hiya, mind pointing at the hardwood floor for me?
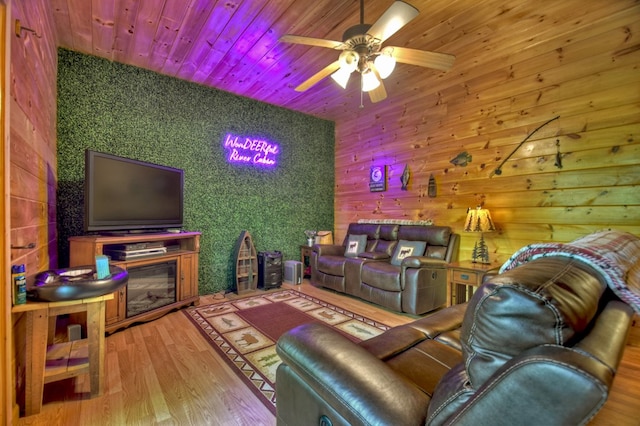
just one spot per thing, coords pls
(164, 373)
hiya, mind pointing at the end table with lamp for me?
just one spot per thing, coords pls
(305, 253)
(464, 278)
(313, 237)
(305, 258)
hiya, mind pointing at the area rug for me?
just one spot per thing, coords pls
(244, 332)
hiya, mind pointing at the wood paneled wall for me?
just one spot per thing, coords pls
(33, 137)
(578, 174)
(32, 153)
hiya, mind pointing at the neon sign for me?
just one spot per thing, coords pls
(256, 152)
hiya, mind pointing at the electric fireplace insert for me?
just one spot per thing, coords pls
(150, 287)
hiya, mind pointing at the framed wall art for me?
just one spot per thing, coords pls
(378, 179)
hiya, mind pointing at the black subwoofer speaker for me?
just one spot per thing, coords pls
(269, 269)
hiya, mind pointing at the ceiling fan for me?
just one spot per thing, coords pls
(362, 51)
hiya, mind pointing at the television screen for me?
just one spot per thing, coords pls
(124, 194)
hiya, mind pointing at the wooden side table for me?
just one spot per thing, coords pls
(48, 362)
(464, 278)
(305, 258)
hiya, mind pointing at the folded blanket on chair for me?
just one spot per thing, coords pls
(614, 254)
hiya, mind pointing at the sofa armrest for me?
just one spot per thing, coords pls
(400, 338)
(423, 262)
(358, 386)
(444, 320)
(570, 385)
(374, 255)
(328, 250)
(424, 284)
(490, 274)
(613, 327)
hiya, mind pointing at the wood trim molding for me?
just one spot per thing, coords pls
(7, 393)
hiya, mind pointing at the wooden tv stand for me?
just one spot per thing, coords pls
(185, 251)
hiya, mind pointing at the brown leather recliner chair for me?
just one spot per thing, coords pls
(539, 344)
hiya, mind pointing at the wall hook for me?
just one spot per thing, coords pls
(558, 162)
(19, 29)
(28, 246)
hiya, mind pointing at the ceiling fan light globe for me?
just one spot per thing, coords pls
(385, 63)
(369, 81)
(341, 77)
(349, 60)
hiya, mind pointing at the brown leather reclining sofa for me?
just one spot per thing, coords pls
(536, 345)
(400, 267)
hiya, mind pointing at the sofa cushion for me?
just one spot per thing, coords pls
(372, 231)
(407, 248)
(374, 255)
(611, 253)
(389, 232)
(425, 363)
(436, 252)
(433, 235)
(356, 244)
(381, 275)
(549, 301)
(386, 247)
(546, 301)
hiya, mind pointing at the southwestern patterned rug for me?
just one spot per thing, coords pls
(244, 332)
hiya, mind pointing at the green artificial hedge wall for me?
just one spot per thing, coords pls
(135, 113)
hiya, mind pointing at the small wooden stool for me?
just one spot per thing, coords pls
(46, 363)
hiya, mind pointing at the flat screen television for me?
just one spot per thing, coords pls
(125, 195)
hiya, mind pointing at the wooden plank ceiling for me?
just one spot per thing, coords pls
(233, 45)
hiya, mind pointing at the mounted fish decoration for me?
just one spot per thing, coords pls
(432, 187)
(461, 159)
(405, 177)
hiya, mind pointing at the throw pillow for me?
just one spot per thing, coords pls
(356, 244)
(407, 248)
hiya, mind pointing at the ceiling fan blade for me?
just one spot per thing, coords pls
(395, 17)
(310, 41)
(379, 93)
(423, 58)
(323, 73)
